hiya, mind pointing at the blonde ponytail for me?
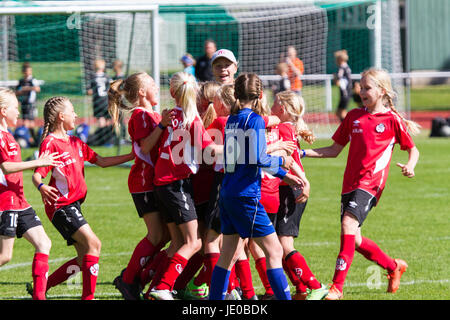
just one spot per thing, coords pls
(183, 88)
(207, 92)
(121, 91)
(295, 107)
(115, 102)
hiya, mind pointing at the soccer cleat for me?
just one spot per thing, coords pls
(394, 276)
(29, 286)
(334, 294)
(194, 292)
(267, 296)
(317, 294)
(128, 291)
(233, 295)
(160, 295)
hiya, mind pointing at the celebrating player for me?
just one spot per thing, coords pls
(179, 157)
(67, 190)
(241, 214)
(17, 217)
(145, 128)
(290, 107)
(372, 132)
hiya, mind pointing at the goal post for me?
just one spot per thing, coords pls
(62, 39)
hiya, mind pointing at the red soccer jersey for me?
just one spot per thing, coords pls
(287, 133)
(216, 127)
(11, 185)
(68, 178)
(270, 185)
(141, 124)
(180, 152)
(372, 138)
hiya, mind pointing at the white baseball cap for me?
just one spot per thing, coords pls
(224, 53)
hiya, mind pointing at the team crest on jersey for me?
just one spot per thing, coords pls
(341, 265)
(80, 152)
(380, 128)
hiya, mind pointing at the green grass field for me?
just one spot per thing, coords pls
(411, 222)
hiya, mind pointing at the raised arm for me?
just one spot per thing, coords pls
(105, 162)
(327, 152)
(46, 159)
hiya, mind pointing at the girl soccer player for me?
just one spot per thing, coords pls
(179, 156)
(145, 127)
(17, 217)
(67, 190)
(372, 132)
(290, 107)
(241, 214)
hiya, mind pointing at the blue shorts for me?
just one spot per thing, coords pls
(244, 216)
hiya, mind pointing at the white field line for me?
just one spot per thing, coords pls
(257, 287)
(26, 264)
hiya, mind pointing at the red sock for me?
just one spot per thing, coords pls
(155, 270)
(244, 273)
(143, 251)
(39, 270)
(209, 261)
(194, 263)
(149, 271)
(297, 263)
(372, 252)
(232, 282)
(295, 279)
(344, 260)
(68, 269)
(174, 269)
(261, 267)
(90, 274)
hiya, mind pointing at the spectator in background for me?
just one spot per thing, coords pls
(203, 70)
(118, 72)
(26, 91)
(284, 83)
(188, 63)
(343, 80)
(295, 71)
(99, 86)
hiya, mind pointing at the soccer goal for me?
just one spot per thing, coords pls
(62, 39)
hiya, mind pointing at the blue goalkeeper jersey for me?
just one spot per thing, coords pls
(245, 155)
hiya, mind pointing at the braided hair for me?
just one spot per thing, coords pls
(247, 88)
(52, 108)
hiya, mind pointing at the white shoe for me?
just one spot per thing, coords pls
(233, 295)
(161, 294)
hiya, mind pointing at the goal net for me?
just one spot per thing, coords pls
(62, 47)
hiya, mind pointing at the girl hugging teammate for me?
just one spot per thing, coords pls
(138, 94)
(180, 154)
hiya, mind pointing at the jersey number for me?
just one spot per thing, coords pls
(13, 220)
